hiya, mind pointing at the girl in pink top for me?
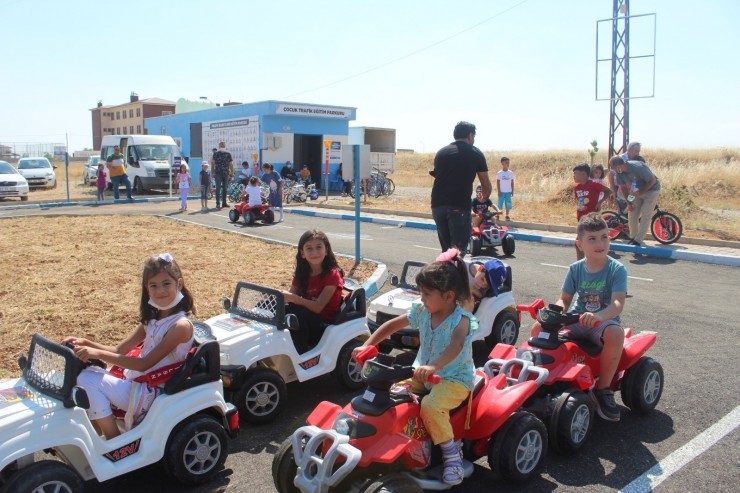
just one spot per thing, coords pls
(183, 182)
(101, 181)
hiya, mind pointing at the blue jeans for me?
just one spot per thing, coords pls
(453, 227)
(116, 182)
(222, 181)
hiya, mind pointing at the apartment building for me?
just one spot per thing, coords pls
(127, 118)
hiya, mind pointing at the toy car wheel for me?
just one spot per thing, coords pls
(269, 216)
(348, 372)
(284, 468)
(475, 246)
(505, 330)
(196, 450)
(233, 215)
(517, 450)
(508, 245)
(248, 218)
(393, 483)
(262, 396)
(643, 385)
(45, 475)
(571, 421)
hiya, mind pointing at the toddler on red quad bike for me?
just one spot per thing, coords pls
(252, 206)
(489, 234)
(378, 442)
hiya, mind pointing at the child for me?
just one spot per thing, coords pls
(244, 173)
(273, 180)
(205, 186)
(588, 193)
(183, 183)
(315, 294)
(101, 181)
(166, 334)
(253, 191)
(505, 186)
(445, 333)
(479, 206)
(486, 279)
(305, 175)
(596, 287)
(597, 173)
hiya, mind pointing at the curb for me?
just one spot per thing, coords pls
(658, 252)
(371, 285)
(91, 203)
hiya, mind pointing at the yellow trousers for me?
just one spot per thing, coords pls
(436, 407)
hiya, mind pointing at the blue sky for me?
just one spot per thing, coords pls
(522, 70)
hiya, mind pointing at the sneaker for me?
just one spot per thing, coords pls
(606, 406)
(508, 218)
(635, 243)
(453, 474)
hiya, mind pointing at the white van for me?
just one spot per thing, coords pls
(149, 159)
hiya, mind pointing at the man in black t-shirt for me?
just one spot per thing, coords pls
(455, 169)
(223, 170)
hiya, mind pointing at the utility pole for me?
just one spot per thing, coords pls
(619, 113)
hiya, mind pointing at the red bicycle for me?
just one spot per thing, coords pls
(665, 227)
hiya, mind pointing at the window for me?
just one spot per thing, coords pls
(131, 129)
(166, 113)
(130, 113)
(118, 115)
(138, 129)
(118, 130)
(138, 112)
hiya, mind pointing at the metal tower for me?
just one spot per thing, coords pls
(619, 121)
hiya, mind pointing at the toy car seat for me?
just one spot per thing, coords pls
(353, 306)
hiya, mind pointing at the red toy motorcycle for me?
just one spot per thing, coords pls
(251, 214)
(562, 402)
(378, 442)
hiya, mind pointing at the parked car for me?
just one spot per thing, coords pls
(12, 183)
(89, 176)
(38, 171)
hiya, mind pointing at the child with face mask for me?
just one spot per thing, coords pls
(166, 335)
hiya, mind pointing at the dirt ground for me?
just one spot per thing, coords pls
(82, 275)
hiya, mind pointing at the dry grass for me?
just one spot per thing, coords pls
(82, 275)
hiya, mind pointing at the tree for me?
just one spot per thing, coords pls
(593, 150)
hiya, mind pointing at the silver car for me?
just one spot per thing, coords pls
(38, 171)
(89, 176)
(12, 183)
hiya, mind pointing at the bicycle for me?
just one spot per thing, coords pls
(378, 184)
(665, 227)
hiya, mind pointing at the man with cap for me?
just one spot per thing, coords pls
(455, 168)
(644, 189)
(116, 163)
(223, 170)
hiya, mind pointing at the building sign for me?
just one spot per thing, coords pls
(240, 134)
(60, 151)
(308, 110)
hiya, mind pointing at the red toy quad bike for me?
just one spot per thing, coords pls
(251, 214)
(378, 442)
(562, 402)
(489, 235)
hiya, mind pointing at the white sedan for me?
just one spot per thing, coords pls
(89, 176)
(38, 171)
(12, 183)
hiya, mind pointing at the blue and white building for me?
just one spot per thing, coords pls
(267, 132)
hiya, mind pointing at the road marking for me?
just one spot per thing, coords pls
(679, 458)
(630, 277)
(346, 236)
(426, 248)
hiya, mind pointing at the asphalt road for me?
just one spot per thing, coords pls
(692, 306)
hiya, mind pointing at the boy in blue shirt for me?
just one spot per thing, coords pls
(596, 287)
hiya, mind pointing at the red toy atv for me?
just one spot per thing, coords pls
(251, 214)
(378, 442)
(562, 402)
(489, 234)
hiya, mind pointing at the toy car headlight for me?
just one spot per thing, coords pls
(526, 356)
(350, 426)
(343, 425)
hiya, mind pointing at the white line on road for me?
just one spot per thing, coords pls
(679, 458)
(565, 267)
(426, 248)
(349, 236)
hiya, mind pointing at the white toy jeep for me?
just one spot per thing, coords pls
(187, 427)
(498, 319)
(258, 356)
